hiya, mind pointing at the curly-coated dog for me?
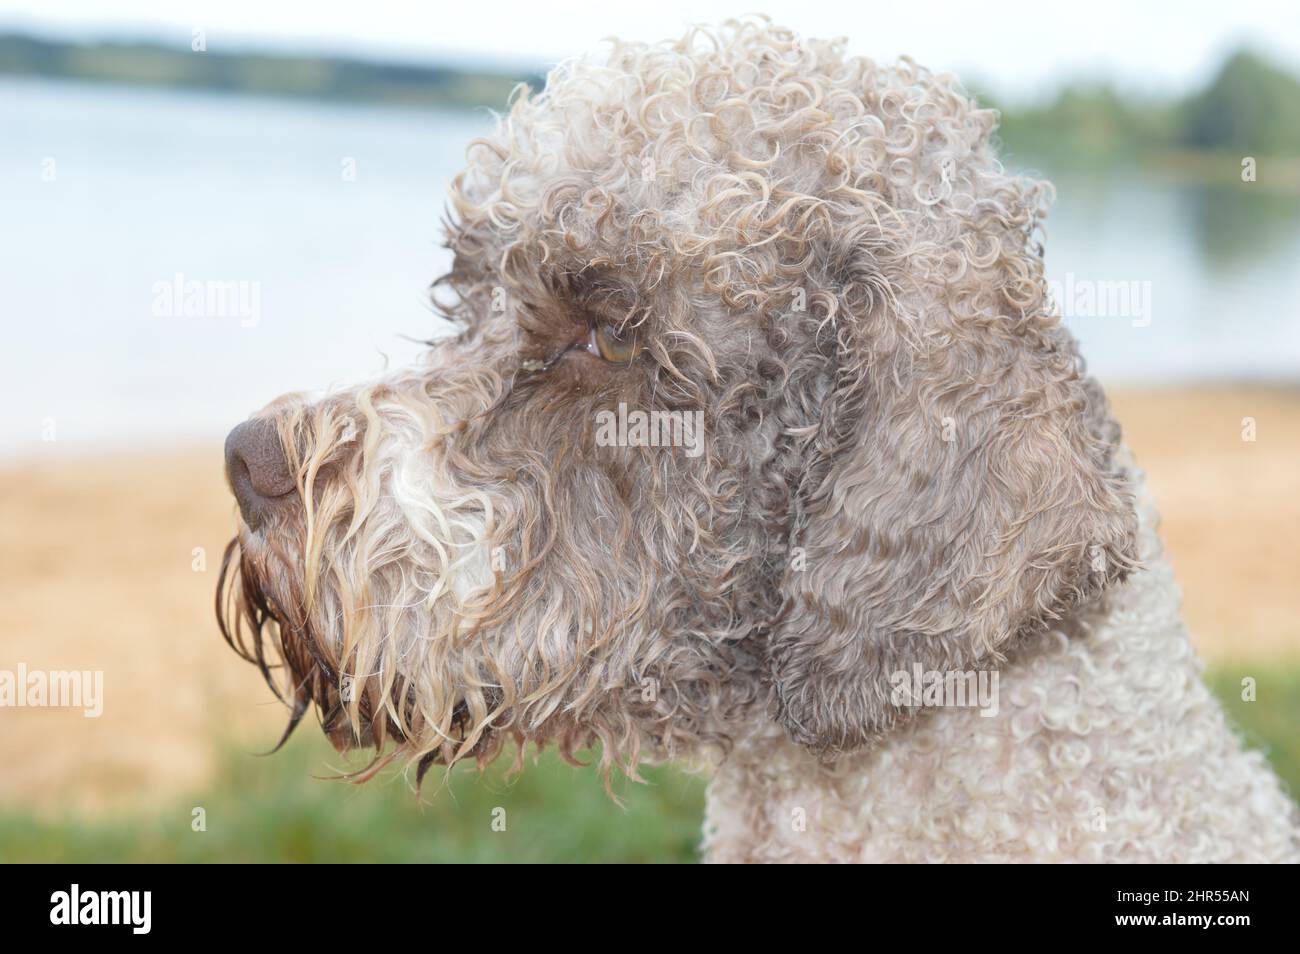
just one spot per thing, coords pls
(760, 443)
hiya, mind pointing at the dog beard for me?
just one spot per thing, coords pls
(284, 649)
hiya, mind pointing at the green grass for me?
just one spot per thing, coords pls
(287, 808)
(280, 809)
(1271, 723)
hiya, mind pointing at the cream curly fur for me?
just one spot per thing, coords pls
(904, 464)
(1108, 747)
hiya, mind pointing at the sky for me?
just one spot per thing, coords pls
(1023, 49)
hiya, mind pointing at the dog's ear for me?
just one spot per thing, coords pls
(960, 491)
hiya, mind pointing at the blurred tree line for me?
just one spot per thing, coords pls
(320, 77)
(1251, 107)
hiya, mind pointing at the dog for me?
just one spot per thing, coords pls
(901, 482)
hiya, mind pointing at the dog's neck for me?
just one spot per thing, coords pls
(1091, 719)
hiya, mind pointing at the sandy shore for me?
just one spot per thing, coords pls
(98, 571)
(110, 564)
(1230, 510)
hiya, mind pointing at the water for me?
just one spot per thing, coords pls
(1216, 269)
(150, 185)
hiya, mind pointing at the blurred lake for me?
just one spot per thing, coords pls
(108, 193)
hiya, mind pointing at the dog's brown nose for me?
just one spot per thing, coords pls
(257, 470)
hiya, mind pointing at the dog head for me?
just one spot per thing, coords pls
(756, 398)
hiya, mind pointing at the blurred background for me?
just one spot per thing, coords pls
(297, 156)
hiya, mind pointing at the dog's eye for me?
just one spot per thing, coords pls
(614, 344)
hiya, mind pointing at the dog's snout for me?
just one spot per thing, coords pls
(257, 470)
